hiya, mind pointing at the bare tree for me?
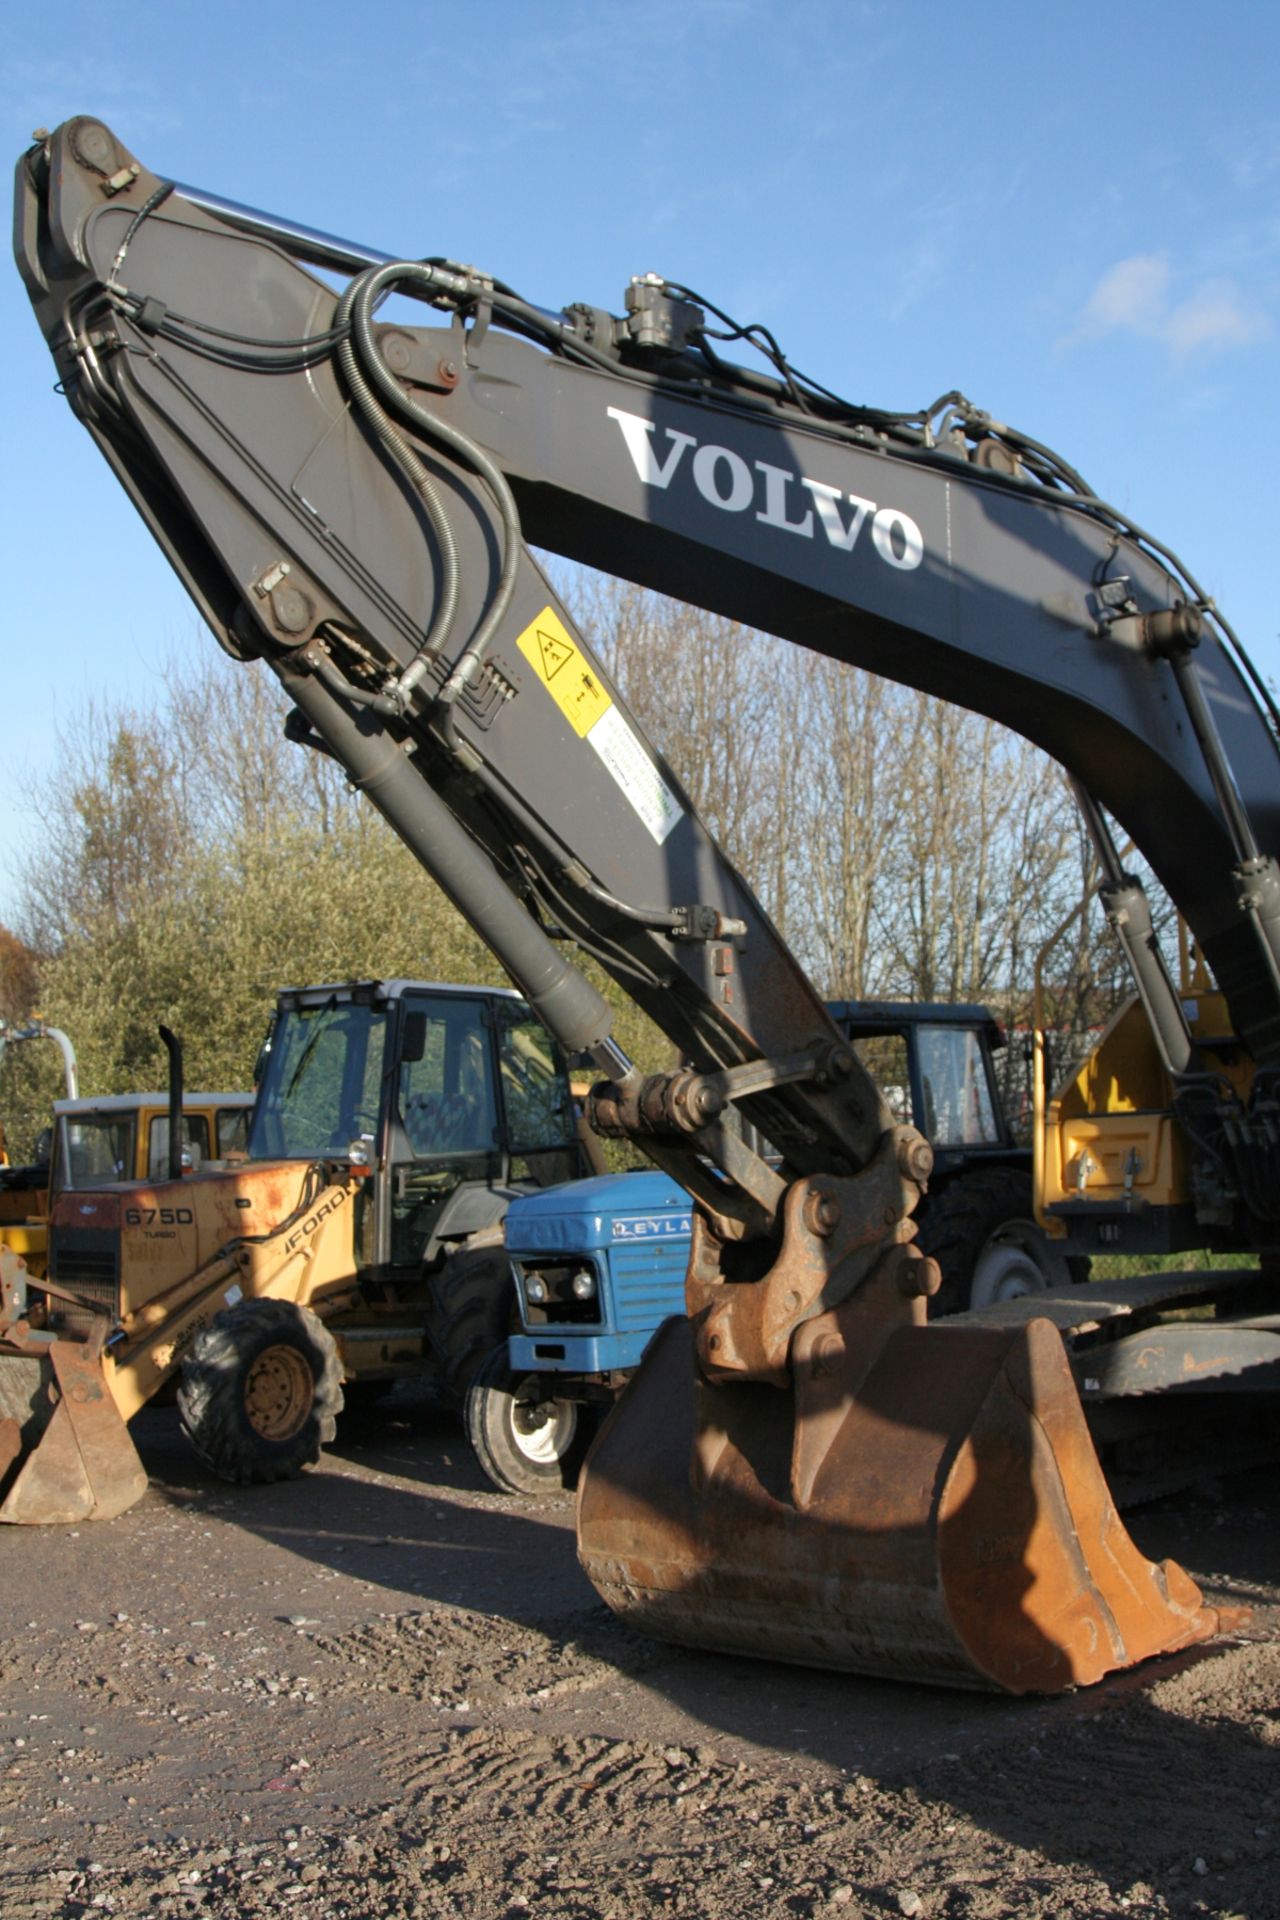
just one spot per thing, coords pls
(905, 847)
(114, 828)
(194, 860)
(243, 778)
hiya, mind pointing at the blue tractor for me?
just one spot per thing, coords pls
(598, 1264)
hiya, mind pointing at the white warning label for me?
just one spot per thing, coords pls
(635, 773)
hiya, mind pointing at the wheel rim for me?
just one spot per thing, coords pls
(278, 1392)
(1013, 1263)
(542, 1430)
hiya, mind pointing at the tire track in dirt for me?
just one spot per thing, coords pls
(457, 1660)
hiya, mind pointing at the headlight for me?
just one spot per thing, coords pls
(535, 1290)
(584, 1285)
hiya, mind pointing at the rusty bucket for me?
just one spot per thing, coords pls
(70, 1458)
(935, 1511)
(65, 1451)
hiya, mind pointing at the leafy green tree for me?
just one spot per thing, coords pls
(193, 860)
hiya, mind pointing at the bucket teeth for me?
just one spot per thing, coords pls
(937, 1515)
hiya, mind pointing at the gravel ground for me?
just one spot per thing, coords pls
(386, 1691)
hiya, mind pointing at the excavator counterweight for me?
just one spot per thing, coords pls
(805, 1468)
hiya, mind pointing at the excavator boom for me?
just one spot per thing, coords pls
(351, 499)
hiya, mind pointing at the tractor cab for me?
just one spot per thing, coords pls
(451, 1099)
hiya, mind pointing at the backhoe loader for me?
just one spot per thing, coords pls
(94, 1141)
(803, 1468)
(355, 1238)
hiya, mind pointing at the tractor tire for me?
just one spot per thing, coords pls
(261, 1391)
(524, 1442)
(981, 1229)
(470, 1310)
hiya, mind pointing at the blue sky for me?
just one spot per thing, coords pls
(1071, 213)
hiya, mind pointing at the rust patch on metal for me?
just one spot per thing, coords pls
(84, 1466)
(920, 1503)
(833, 1233)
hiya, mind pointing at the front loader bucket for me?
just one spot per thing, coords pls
(65, 1452)
(937, 1515)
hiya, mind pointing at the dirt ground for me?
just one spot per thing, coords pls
(388, 1691)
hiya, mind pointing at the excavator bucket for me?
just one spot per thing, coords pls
(65, 1452)
(935, 1513)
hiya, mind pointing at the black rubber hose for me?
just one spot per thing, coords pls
(364, 292)
(408, 460)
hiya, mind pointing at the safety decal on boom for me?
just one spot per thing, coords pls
(574, 685)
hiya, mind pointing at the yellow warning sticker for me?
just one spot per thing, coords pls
(568, 677)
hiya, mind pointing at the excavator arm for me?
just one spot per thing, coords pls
(350, 495)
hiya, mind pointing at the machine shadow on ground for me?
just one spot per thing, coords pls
(1084, 1778)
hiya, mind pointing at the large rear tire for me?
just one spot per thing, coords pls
(261, 1391)
(981, 1229)
(525, 1441)
(470, 1310)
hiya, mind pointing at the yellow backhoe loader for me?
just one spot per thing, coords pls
(349, 1236)
(113, 1137)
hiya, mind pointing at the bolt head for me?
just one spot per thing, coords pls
(821, 1212)
(915, 1159)
(919, 1277)
(291, 608)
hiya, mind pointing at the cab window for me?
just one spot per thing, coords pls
(195, 1142)
(958, 1108)
(446, 1091)
(884, 1055)
(99, 1151)
(322, 1081)
(535, 1088)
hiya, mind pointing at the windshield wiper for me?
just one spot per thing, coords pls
(322, 1021)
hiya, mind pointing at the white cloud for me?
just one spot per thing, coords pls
(1132, 294)
(1215, 315)
(1137, 295)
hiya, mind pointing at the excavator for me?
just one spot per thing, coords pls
(805, 1467)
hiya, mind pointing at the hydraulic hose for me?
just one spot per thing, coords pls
(408, 460)
(362, 295)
